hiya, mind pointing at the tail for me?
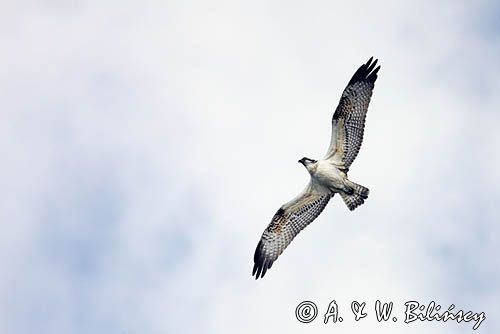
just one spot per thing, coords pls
(357, 197)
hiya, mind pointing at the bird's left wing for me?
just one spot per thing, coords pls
(288, 221)
(348, 122)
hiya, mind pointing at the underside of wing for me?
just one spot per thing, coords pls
(288, 221)
(348, 122)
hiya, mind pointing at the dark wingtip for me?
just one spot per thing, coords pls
(261, 263)
(372, 77)
(366, 72)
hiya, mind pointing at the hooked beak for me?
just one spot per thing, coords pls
(302, 160)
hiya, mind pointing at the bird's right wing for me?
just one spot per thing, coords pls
(288, 221)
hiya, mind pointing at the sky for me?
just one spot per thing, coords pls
(146, 146)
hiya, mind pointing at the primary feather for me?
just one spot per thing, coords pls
(348, 121)
(328, 176)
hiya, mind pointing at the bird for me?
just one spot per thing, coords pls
(328, 176)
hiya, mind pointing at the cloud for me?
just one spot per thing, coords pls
(147, 146)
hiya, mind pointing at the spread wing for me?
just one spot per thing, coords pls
(348, 122)
(288, 221)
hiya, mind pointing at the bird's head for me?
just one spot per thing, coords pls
(309, 164)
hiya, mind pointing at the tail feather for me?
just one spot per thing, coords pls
(357, 198)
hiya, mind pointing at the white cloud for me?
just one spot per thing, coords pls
(147, 147)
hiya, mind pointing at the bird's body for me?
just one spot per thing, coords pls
(327, 176)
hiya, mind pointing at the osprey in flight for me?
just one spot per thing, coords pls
(328, 176)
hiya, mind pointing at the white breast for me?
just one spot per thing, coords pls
(328, 175)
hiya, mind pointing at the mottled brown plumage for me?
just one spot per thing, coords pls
(328, 176)
(348, 121)
(288, 221)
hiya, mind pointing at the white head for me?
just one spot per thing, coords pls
(309, 164)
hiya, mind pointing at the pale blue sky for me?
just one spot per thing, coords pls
(147, 145)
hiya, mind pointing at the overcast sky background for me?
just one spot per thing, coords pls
(146, 145)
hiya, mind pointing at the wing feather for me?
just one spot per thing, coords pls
(288, 221)
(348, 122)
